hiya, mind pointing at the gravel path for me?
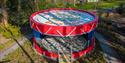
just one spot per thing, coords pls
(109, 54)
(14, 47)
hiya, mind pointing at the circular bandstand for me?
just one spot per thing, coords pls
(63, 32)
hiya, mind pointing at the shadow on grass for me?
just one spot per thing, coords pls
(5, 61)
(115, 42)
(20, 46)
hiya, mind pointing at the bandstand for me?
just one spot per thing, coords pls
(63, 34)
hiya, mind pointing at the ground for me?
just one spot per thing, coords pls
(5, 43)
(23, 57)
(113, 29)
(19, 56)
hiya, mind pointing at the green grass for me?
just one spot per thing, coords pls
(108, 4)
(85, 6)
(12, 29)
(7, 34)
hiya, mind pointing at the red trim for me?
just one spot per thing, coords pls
(55, 55)
(64, 30)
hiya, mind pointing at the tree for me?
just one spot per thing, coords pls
(36, 2)
(4, 13)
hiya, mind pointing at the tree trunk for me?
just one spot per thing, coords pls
(4, 14)
(36, 2)
(19, 6)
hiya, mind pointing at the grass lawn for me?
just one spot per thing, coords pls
(102, 5)
(84, 6)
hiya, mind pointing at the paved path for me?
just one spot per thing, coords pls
(109, 54)
(14, 47)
